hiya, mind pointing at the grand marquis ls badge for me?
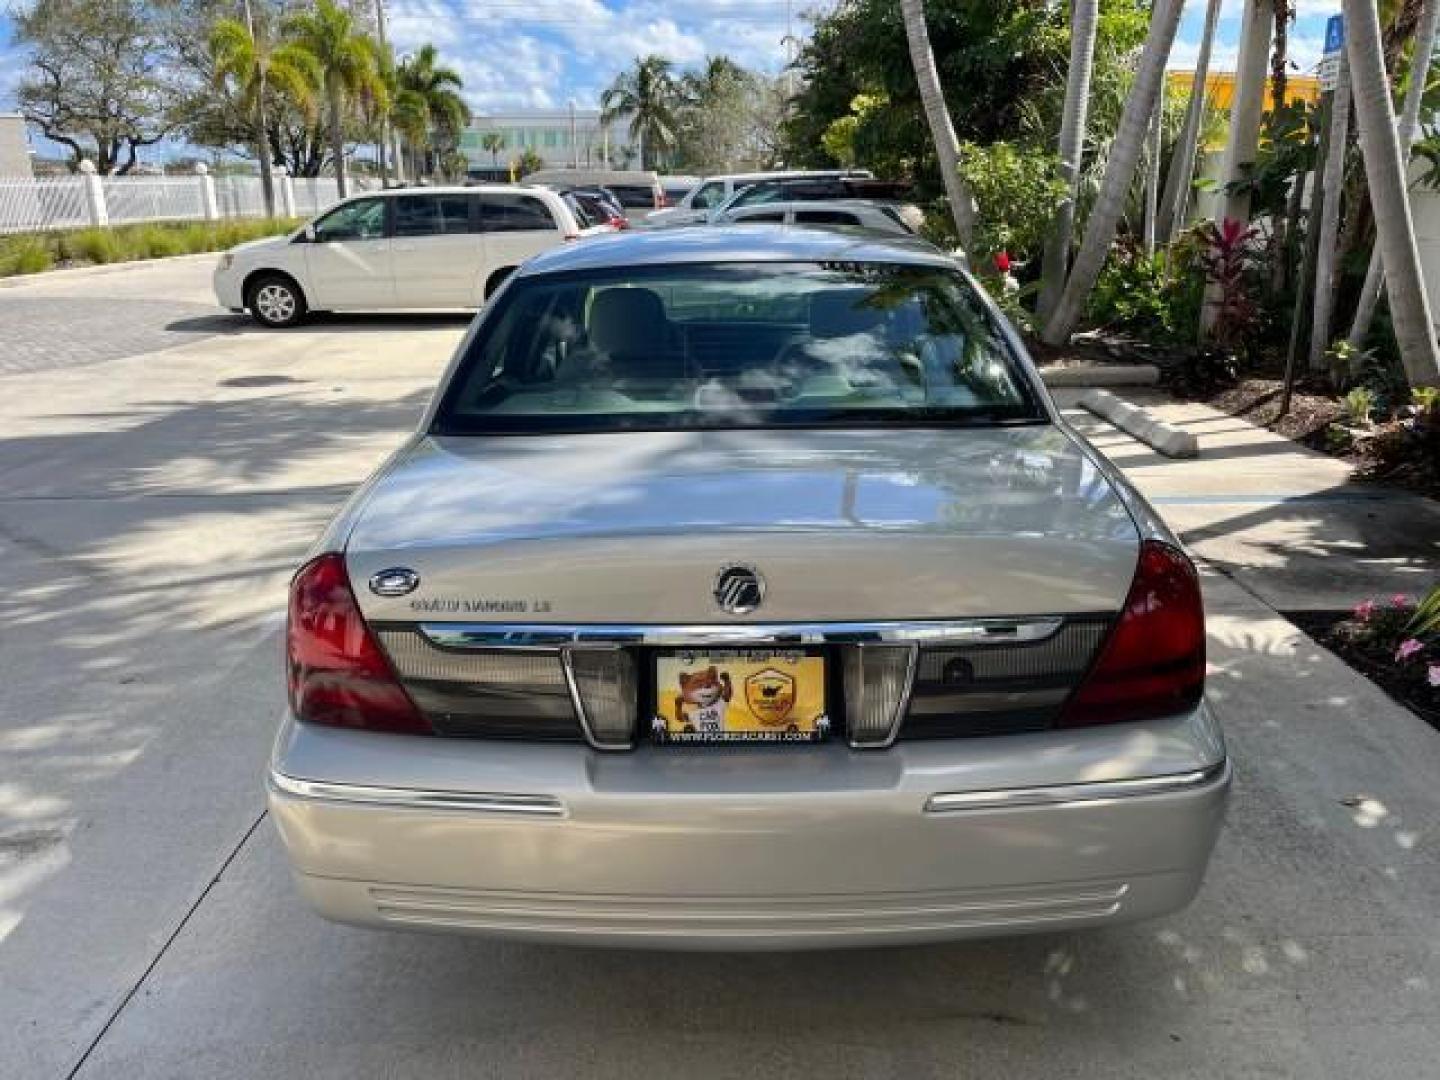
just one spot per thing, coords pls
(739, 589)
(396, 581)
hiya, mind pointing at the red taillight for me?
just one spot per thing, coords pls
(338, 675)
(1153, 663)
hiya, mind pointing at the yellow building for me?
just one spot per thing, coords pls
(1220, 87)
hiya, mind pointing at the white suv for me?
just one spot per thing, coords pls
(440, 247)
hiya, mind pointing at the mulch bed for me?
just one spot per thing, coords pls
(1405, 683)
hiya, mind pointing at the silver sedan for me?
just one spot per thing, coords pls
(742, 588)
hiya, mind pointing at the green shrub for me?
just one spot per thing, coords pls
(1153, 297)
(1359, 404)
(25, 255)
(96, 246)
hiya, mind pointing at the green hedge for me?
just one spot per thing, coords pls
(32, 253)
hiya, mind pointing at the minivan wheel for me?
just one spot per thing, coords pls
(276, 301)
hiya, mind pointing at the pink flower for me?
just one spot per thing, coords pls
(1399, 600)
(1408, 648)
(1433, 675)
(1364, 610)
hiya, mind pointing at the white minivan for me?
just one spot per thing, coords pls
(434, 248)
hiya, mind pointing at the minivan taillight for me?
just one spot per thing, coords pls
(1153, 662)
(337, 672)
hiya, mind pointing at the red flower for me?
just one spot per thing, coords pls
(1002, 262)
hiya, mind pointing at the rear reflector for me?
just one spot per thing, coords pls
(1153, 663)
(877, 684)
(337, 674)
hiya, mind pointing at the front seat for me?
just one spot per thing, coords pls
(629, 328)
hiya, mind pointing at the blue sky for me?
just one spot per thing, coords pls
(542, 53)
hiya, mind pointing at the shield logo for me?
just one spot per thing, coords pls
(770, 695)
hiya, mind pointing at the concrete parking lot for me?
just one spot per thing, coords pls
(163, 466)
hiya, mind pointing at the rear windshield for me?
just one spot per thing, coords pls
(632, 195)
(736, 345)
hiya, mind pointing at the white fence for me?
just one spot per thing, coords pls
(68, 202)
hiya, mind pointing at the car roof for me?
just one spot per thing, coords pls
(459, 189)
(810, 204)
(735, 243)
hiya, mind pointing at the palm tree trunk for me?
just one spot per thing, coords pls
(1182, 164)
(1409, 128)
(267, 172)
(1246, 111)
(1152, 171)
(1119, 172)
(1385, 172)
(380, 152)
(1331, 182)
(942, 130)
(337, 139)
(1084, 22)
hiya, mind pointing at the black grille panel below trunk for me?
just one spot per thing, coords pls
(994, 689)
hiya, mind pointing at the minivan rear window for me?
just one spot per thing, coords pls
(730, 345)
(633, 195)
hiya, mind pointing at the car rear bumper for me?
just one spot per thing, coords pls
(752, 848)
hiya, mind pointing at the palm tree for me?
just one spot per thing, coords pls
(348, 64)
(1119, 171)
(1331, 181)
(435, 91)
(494, 142)
(649, 96)
(1176, 199)
(1420, 57)
(937, 114)
(259, 66)
(1385, 172)
(1084, 22)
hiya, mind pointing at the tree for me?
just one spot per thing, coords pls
(1385, 171)
(347, 61)
(1084, 22)
(436, 113)
(97, 82)
(937, 115)
(1176, 198)
(527, 163)
(1420, 58)
(494, 142)
(1119, 171)
(1331, 182)
(258, 66)
(715, 117)
(648, 95)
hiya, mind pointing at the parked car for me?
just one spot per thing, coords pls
(639, 191)
(677, 187)
(434, 247)
(743, 588)
(599, 205)
(713, 191)
(879, 217)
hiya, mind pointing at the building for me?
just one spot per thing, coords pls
(548, 132)
(14, 147)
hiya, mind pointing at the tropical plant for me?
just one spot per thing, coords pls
(1084, 24)
(528, 162)
(1425, 623)
(1385, 171)
(348, 63)
(649, 97)
(937, 116)
(1359, 405)
(257, 65)
(1016, 192)
(1417, 78)
(493, 142)
(1125, 152)
(1227, 255)
(434, 113)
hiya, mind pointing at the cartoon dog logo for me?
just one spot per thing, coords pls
(704, 697)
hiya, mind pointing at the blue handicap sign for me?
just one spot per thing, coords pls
(1334, 33)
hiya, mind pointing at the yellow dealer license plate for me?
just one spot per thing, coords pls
(740, 696)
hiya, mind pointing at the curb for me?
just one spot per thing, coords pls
(17, 281)
(1082, 375)
(1170, 441)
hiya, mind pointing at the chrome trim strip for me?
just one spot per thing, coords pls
(1053, 795)
(550, 637)
(486, 802)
